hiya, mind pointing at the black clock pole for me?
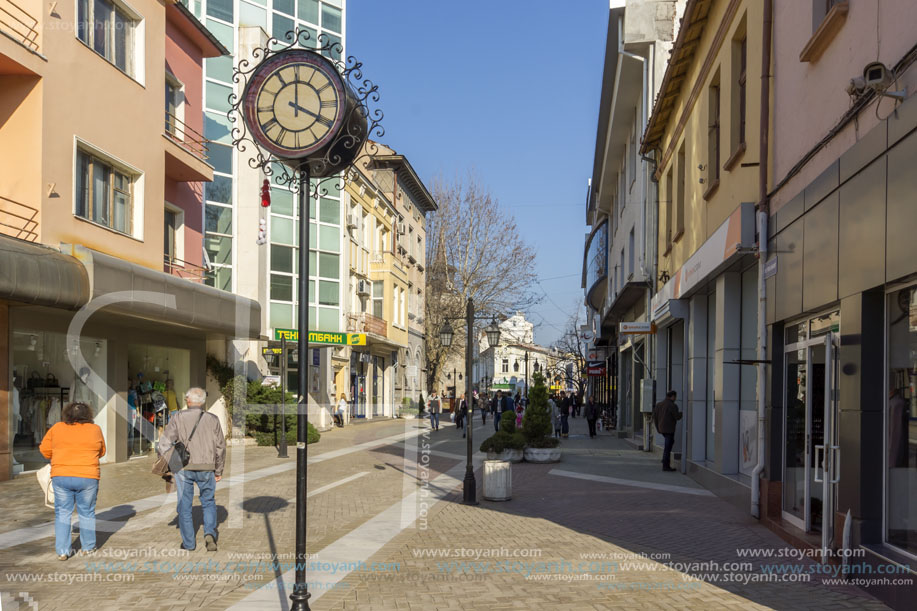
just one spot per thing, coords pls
(469, 486)
(300, 595)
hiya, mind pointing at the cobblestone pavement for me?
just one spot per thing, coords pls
(459, 557)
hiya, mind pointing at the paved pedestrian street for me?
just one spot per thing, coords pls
(603, 529)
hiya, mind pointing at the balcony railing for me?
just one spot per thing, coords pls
(184, 269)
(186, 137)
(19, 23)
(18, 220)
(364, 322)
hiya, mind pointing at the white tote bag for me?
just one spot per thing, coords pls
(44, 480)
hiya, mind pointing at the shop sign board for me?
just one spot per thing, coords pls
(595, 368)
(770, 268)
(323, 337)
(637, 328)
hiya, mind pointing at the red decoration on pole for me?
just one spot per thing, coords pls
(265, 194)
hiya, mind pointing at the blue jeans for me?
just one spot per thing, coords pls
(667, 449)
(206, 485)
(81, 491)
(434, 420)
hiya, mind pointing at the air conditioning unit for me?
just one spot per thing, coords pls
(401, 229)
(352, 220)
(362, 287)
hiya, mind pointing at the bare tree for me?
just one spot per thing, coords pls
(473, 251)
(571, 350)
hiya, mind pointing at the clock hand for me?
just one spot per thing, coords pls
(295, 100)
(298, 107)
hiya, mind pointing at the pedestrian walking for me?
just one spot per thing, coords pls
(497, 409)
(436, 407)
(565, 406)
(462, 416)
(591, 412)
(575, 404)
(342, 408)
(205, 443)
(555, 416)
(484, 407)
(665, 417)
(74, 445)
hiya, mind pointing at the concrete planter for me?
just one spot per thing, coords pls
(498, 480)
(542, 455)
(507, 455)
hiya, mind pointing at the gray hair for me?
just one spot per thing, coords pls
(195, 396)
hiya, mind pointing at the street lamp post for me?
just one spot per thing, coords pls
(526, 376)
(469, 485)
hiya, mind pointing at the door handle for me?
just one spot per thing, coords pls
(835, 464)
(818, 449)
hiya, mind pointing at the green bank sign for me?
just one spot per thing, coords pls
(323, 337)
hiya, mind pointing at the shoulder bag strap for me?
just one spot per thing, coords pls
(195, 426)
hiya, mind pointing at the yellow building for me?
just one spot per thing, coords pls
(704, 136)
(377, 297)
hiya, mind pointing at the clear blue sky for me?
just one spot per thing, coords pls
(508, 88)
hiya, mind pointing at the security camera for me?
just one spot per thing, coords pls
(879, 78)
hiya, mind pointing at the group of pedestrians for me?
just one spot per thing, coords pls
(193, 439)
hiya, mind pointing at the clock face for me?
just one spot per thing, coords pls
(294, 104)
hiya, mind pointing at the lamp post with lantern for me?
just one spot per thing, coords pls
(469, 485)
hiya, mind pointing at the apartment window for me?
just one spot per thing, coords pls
(713, 134)
(633, 151)
(505, 365)
(107, 29)
(669, 200)
(630, 254)
(174, 104)
(103, 193)
(680, 194)
(378, 296)
(739, 93)
(173, 238)
(820, 10)
(621, 190)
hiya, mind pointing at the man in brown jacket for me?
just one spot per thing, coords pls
(665, 417)
(203, 437)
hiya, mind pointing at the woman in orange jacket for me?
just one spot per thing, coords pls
(74, 446)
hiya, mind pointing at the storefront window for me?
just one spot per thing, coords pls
(43, 382)
(901, 420)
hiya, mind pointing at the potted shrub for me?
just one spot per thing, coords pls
(507, 443)
(540, 447)
(407, 411)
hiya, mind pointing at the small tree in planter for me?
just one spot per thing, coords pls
(537, 426)
(507, 443)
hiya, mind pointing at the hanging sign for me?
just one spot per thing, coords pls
(323, 337)
(595, 368)
(637, 328)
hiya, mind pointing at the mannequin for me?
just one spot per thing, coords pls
(79, 391)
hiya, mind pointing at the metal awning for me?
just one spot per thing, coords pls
(39, 275)
(165, 299)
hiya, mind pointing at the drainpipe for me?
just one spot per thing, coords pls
(762, 252)
(649, 356)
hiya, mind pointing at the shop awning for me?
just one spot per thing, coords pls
(727, 244)
(196, 306)
(38, 275)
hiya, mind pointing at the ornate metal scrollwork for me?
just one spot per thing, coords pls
(333, 162)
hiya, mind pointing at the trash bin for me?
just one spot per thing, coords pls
(498, 480)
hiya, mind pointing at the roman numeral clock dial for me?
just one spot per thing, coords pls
(297, 101)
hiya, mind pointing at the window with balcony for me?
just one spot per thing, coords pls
(175, 107)
(378, 296)
(104, 193)
(173, 240)
(109, 29)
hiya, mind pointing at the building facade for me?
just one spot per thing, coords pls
(621, 249)
(841, 303)
(102, 292)
(509, 365)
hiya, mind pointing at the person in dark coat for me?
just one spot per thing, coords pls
(461, 416)
(495, 408)
(565, 405)
(592, 414)
(665, 417)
